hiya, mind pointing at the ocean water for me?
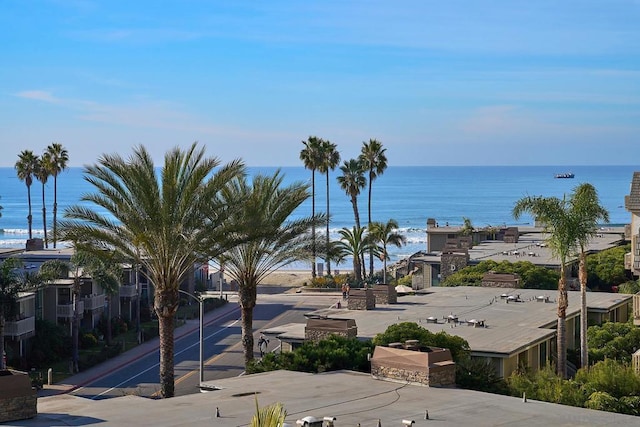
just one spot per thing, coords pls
(410, 195)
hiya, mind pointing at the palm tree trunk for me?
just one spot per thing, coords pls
(313, 228)
(247, 297)
(328, 257)
(357, 271)
(55, 208)
(44, 219)
(354, 204)
(562, 325)
(384, 264)
(165, 306)
(369, 208)
(582, 273)
(166, 326)
(30, 217)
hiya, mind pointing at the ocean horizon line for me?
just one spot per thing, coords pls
(416, 166)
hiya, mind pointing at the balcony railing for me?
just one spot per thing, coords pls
(21, 327)
(66, 310)
(94, 302)
(128, 291)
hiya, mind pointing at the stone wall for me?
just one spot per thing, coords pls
(452, 262)
(411, 376)
(508, 280)
(397, 362)
(385, 294)
(361, 299)
(511, 235)
(18, 400)
(319, 329)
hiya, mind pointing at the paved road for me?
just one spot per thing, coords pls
(137, 373)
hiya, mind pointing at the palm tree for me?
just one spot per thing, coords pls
(467, 228)
(330, 160)
(385, 235)
(26, 168)
(166, 223)
(352, 181)
(58, 159)
(560, 224)
(42, 174)
(354, 243)
(270, 240)
(586, 207)
(311, 156)
(273, 415)
(374, 161)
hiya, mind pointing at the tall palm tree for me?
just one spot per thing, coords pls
(311, 156)
(385, 235)
(352, 181)
(560, 225)
(330, 160)
(58, 159)
(588, 212)
(42, 174)
(270, 239)
(166, 223)
(354, 242)
(374, 160)
(25, 168)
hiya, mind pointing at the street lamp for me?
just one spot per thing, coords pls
(200, 298)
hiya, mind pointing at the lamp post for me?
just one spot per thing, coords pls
(200, 298)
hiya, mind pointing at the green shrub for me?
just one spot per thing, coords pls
(613, 340)
(88, 340)
(331, 354)
(405, 281)
(480, 375)
(401, 332)
(50, 344)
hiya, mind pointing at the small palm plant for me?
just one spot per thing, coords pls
(269, 416)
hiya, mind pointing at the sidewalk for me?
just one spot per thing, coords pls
(86, 377)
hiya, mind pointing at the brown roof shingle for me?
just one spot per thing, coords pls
(632, 201)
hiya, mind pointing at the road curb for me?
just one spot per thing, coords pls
(182, 334)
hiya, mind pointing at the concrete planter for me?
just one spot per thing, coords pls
(18, 400)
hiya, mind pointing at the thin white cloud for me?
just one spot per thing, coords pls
(136, 35)
(38, 95)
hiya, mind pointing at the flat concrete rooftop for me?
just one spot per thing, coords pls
(510, 324)
(352, 398)
(530, 247)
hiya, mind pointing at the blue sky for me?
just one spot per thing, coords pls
(503, 82)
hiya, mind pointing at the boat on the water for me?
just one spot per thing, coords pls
(565, 175)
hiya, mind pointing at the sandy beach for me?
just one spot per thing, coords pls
(288, 278)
